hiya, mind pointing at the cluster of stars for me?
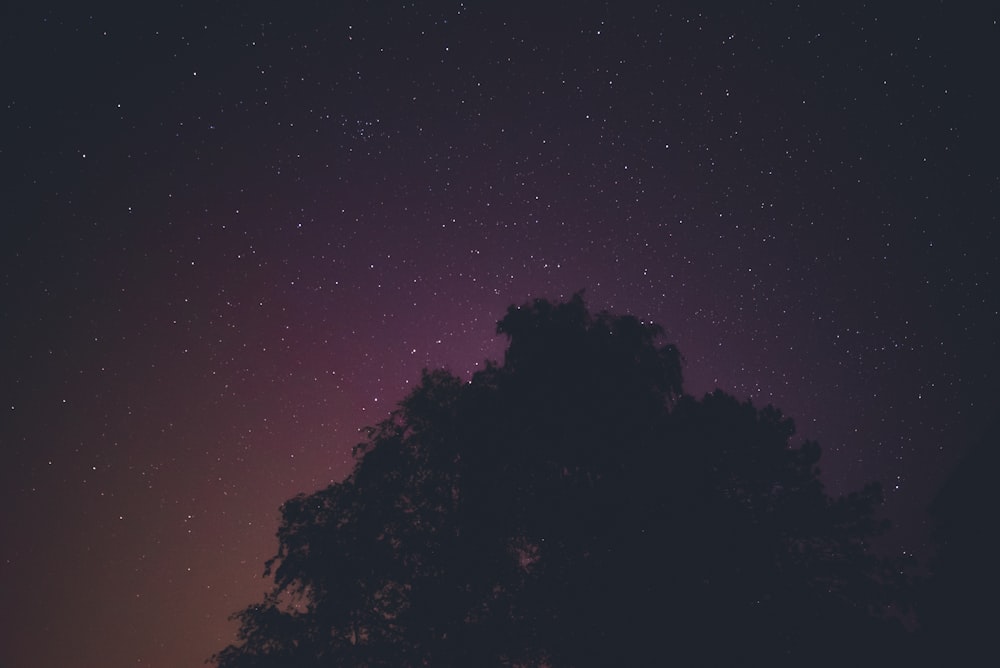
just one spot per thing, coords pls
(234, 240)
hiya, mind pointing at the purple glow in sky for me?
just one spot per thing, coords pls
(233, 237)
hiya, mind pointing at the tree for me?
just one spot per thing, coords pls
(572, 507)
(956, 604)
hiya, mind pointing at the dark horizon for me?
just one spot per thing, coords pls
(233, 238)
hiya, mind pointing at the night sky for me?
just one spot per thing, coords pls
(232, 237)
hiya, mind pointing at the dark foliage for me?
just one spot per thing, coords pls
(572, 507)
(956, 605)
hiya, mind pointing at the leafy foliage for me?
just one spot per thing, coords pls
(571, 507)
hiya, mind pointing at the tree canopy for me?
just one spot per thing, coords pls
(572, 507)
(956, 605)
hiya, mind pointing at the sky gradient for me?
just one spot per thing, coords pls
(234, 236)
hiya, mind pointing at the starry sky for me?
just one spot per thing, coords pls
(232, 235)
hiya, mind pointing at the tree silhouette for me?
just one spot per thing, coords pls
(957, 603)
(571, 507)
